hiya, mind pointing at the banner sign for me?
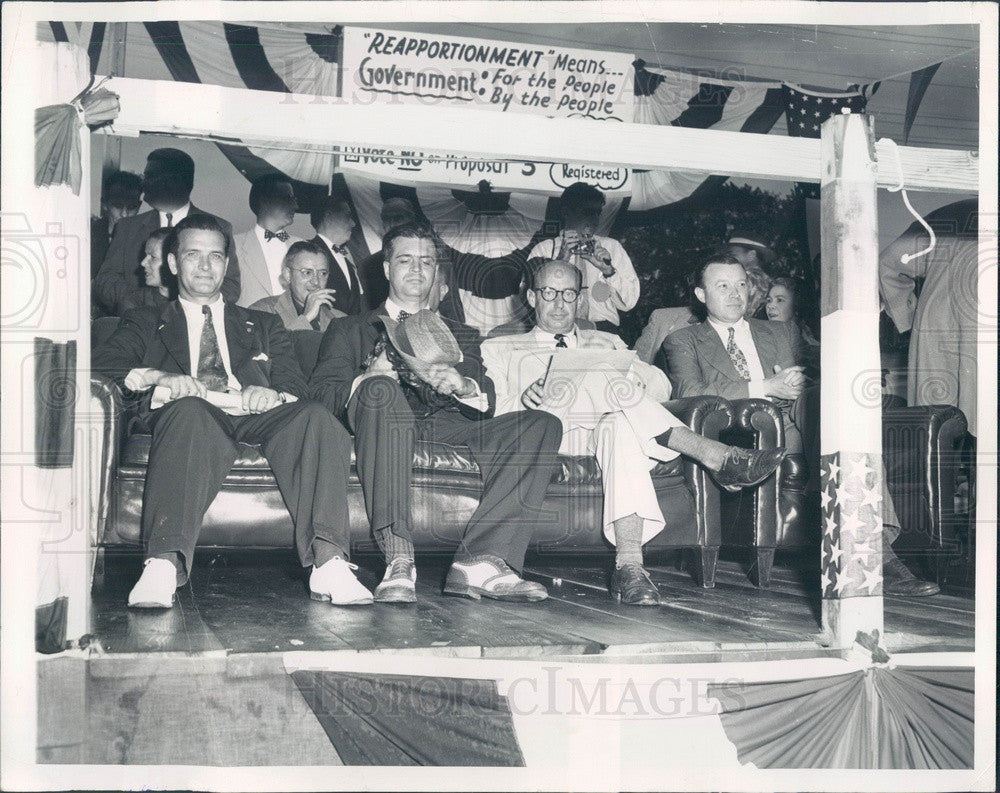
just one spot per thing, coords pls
(394, 67)
(503, 175)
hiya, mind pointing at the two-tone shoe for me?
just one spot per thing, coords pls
(491, 577)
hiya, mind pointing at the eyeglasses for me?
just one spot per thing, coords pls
(548, 294)
(308, 272)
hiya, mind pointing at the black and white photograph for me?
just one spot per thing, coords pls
(575, 395)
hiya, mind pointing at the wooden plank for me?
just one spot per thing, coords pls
(293, 120)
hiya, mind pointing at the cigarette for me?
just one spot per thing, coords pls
(545, 376)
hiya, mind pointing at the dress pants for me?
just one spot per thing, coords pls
(194, 447)
(516, 455)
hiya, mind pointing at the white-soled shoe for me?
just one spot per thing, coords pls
(156, 587)
(490, 576)
(335, 581)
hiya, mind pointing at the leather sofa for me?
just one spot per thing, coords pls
(920, 450)
(249, 511)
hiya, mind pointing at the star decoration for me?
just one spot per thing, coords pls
(829, 525)
(850, 523)
(872, 579)
(825, 497)
(803, 111)
(801, 124)
(841, 583)
(815, 126)
(835, 554)
(862, 549)
(816, 113)
(825, 582)
(871, 497)
(832, 471)
(860, 469)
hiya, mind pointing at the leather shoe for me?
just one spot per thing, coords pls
(898, 580)
(490, 576)
(156, 587)
(631, 585)
(335, 582)
(399, 584)
(746, 467)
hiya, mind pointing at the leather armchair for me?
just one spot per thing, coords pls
(249, 511)
(920, 450)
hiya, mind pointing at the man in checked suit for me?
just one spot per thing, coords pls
(334, 223)
(359, 377)
(262, 249)
(166, 183)
(202, 351)
(733, 357)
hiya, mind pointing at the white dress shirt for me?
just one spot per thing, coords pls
(550, 340)
(341, 261)
(274, 254)
(744, 340)
(176, 216)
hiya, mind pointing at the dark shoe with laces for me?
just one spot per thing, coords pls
(399, 584)
(631, 585)
(898, 580)
(746, 467)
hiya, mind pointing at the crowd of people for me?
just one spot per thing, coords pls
(204, 353)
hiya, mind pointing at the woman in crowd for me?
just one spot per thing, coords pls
(788, 301)
(159, 279)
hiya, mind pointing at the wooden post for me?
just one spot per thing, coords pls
(851, 403)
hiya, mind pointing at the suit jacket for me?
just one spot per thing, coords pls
(698, 364)
(348, 341)
(99, 242)
(662, 322)
(255, 281)
(284, 307)
(118, 276)
(512, 368)
(344, 301)
(260, 351)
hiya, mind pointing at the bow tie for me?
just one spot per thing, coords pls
(341, 249)
(270, 235)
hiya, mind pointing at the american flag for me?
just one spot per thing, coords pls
(805, 112)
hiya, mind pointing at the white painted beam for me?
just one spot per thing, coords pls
(291, 120)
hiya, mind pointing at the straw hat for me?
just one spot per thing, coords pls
(422, 339)
(752, 240)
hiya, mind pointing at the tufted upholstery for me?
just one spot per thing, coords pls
(249, 511)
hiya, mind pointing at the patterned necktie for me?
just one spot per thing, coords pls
(403, 315)
(270, 235)
(170, 220)
(211, 370)
(737, 357)
(561, 340)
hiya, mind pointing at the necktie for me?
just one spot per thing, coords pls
(211, 370)
(270, 235)
(170, 219)
(403, 315)
(737, 357)
(352, 270)
(561, 340)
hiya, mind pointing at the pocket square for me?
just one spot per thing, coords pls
(261, 357)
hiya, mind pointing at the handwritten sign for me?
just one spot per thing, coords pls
(393, 67)
(451, 171)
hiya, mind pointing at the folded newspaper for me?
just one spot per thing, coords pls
(230, 402)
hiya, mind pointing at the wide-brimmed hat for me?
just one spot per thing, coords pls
(752, 240)
(423, 339)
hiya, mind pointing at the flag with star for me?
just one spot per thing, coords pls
(806, 110)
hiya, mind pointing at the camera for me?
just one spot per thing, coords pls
(584, 247)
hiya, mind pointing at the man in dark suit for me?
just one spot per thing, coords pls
(167, 183)
(733, 357)
(121, 196)
(201, 353)
(334, 222)
(360, 376)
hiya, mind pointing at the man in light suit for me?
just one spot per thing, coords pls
(306, 303)
(262, 249)
(734, 357)
(202, 351)
(334, 223)
(624, 440)
(166, 183)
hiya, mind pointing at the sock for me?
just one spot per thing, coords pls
(628, 540)
(393, 546)
(711, 454)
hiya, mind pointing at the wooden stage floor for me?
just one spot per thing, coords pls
(239, 603)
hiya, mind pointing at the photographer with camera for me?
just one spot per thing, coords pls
(610, 284)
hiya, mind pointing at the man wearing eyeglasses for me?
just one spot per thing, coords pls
(306, 303)
(204, 353)
(619, 439)
(388, 406)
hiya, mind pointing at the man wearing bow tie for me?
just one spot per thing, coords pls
(262, 249)
(389, 406)
(334, 223)
(199, 351)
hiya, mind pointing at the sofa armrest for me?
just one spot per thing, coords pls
(108, 411)
(708, 416)
(919, 445)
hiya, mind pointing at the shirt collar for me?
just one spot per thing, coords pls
(195, 308)
(392, 309)
(722, 328)
(176, 216)
(544, 335)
